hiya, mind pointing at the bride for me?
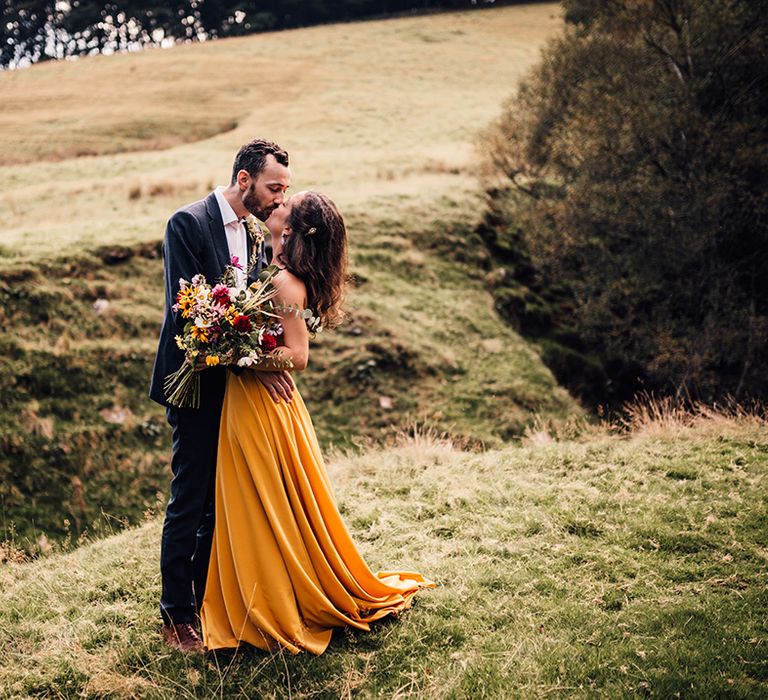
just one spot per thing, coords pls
(284, 570)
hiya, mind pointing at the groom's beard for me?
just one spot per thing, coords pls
(252, 204)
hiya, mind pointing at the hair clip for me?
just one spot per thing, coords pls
(311, 232)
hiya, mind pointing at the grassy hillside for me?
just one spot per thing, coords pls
(603, 567)
(380, 115)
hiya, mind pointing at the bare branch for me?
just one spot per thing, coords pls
(676, 69)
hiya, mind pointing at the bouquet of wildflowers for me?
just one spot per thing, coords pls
(227, 326)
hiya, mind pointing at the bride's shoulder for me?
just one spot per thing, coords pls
(289, 286)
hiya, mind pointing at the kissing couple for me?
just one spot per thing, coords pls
(254, 549)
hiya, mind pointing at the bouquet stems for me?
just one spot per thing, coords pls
(182, 388)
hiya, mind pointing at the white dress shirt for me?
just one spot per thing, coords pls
(236, 237)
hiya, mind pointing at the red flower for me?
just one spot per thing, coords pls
(220, 295)
(268, 343)
(242, 323)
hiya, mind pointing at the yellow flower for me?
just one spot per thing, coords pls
(212, 360)
(230, 315)
(200, 334)
(180, 342)
(185, 300)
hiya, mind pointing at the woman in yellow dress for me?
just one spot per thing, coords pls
(284, 570)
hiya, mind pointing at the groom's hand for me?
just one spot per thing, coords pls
(278, 384)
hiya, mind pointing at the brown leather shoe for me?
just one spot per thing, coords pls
(182, 637)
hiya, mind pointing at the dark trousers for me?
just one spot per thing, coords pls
(190, 516)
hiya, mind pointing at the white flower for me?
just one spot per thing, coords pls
(202, 295)
(248, 360)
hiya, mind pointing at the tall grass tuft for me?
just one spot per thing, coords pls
(650, 414)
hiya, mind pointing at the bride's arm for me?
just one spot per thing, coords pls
(290, 292)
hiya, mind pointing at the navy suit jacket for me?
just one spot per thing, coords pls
(195, 243)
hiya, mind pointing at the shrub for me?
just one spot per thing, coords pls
(635, 155)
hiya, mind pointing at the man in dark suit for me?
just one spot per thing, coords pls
(202, 238)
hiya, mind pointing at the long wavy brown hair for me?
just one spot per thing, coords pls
(316, 252)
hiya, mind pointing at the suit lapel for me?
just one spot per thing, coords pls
(217, 233)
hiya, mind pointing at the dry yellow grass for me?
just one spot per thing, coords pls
(381, 115)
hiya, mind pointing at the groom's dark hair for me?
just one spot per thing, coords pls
(252, 157)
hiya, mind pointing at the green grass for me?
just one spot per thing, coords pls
(577, 569)
(600, 566)
(83, 448)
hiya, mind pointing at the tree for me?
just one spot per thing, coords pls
(23, 29)
(639, 147)
(36, 30)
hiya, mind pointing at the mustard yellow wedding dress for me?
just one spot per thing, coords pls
(284, 569)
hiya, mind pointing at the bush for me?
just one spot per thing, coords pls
(635, 153)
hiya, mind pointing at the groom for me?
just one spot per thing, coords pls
(201, 238)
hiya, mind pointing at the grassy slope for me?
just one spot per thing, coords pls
(380, 115)
(608, 568)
